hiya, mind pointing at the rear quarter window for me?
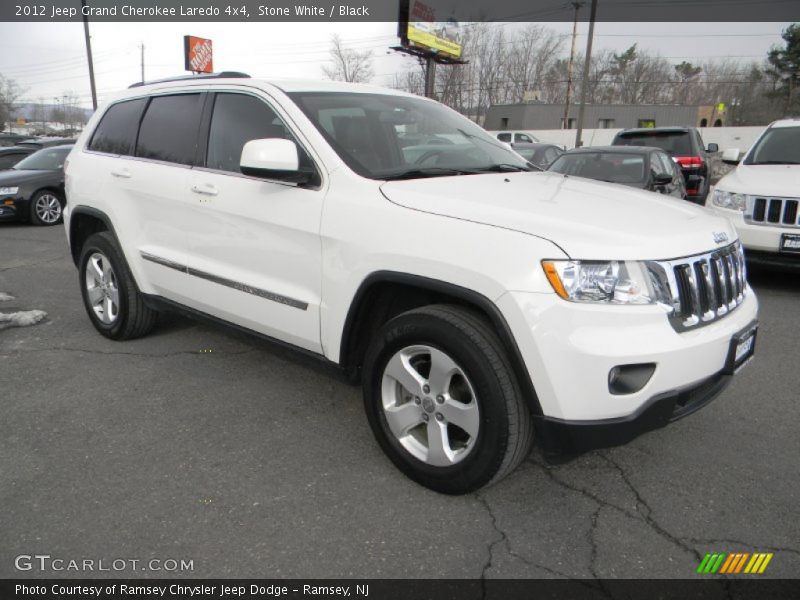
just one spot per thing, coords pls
(116, 132)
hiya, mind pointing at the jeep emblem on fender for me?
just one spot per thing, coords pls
(720, 237)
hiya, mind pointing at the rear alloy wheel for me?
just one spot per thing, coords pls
(110, 296)
(442, 399)
(46, 208)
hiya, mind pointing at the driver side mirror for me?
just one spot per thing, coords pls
(274, 158)
(731, 156)
(662, 179)
(712, 148)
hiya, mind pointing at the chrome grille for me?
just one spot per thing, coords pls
(701, 288)
(763, 210)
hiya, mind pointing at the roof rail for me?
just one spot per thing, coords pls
(223, 74)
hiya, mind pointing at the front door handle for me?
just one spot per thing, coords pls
(122, 174)
(205, 190)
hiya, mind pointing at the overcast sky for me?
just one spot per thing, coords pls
(48, 59)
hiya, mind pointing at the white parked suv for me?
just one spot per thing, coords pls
(480, 304)
(762, 194)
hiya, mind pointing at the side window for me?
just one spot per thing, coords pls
(169, 128)
(550, 155)
(9, 160)
(116, 131)
(521, 137)
(504, 137)
(237, 119)
(660, 163)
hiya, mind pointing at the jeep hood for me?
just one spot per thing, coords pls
(767, 180)
(587, 219)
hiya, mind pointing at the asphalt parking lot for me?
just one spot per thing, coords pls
(197, 443)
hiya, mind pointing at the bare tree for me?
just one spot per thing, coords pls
(348, 64)
(9, 94)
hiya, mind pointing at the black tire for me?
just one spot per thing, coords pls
(505, 433)
(133, 318)
(48, 218)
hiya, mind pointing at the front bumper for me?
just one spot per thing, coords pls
(569, 350)
(9, 212)
(559, 437)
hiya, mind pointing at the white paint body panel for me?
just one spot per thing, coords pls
(487, 233)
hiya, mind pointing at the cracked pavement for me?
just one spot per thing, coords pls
(203, 444)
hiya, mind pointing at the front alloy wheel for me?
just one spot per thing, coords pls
(46, 209)
(443, 401)
(430, 405)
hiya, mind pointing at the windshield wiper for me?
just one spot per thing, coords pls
(428, 172)
(776, 162)
(503, 168)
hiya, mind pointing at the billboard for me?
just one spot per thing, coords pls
(198, 54)
(430, 27)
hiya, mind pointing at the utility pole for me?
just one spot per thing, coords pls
(586, 66)
(55, 99)
(142, 46)
(89, 53)
(577, 5)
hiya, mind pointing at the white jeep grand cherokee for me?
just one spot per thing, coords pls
(480, 304)
(762, 195)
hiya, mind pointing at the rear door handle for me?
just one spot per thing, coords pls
(206, 190)
(122, 174)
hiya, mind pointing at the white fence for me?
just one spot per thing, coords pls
(724, 137)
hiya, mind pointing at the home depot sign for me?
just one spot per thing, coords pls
(198, 55)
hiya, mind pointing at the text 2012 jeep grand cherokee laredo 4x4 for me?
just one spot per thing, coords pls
(478, 302)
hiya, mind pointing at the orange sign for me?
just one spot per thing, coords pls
(198, 56)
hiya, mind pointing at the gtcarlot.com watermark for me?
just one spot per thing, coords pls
(44, 563)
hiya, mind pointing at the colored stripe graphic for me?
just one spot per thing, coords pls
(727, 563)
(764, 564)
(735, 563)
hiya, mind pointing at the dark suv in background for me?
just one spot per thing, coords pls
(686, 148)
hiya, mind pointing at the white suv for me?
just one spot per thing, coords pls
(481, 304)
(762, 195)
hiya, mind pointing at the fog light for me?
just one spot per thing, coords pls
(629, 379)
(8, 202)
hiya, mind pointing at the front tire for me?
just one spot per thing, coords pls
(442, 400)
(46, 208)
(110, 296)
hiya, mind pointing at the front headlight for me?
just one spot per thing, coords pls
(8, 191)
(604, 282)
(729, 200)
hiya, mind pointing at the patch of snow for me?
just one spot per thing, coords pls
(22, 318)
(5, 297)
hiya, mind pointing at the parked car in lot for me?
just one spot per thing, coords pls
(11, 155)
(635, 166)
(761, 195)
(33, 189)
(515, 137)
(11, 139)
(686, 148)
(45, 142)
(538, 154)
(480, 303)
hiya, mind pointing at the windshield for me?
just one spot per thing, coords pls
(382, 136)
(677, 143)
(616, 167)
(778, 146)
(49, 159)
